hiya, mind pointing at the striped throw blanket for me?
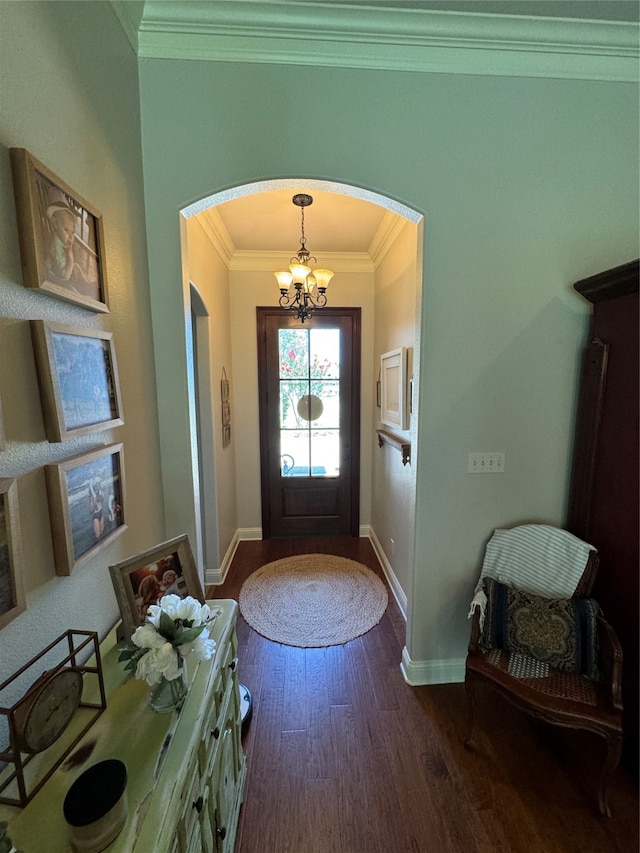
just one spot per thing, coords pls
(535, 558)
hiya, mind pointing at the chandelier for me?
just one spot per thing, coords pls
(303, 289)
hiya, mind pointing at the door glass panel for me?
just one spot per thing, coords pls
(309, 402)
(325, 453)
(291, 393)
(324, 353)
(294, 353)
(294, 453)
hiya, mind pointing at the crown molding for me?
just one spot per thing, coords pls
(240, 260)
(214, 228)
(400, 39)
(339, 262)
(386, 235)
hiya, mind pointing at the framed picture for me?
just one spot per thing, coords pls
(393, 389)
(224, 387)
(12, 600)
(86, 504)
(78, 377)
(142, 580)
(226, 409)
(61, 236)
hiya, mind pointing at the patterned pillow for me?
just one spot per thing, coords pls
(561, 632)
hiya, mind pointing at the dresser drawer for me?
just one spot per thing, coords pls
(189, 807)
(225, 786)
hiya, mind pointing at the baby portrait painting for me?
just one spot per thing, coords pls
(60, 235)
(68, 244)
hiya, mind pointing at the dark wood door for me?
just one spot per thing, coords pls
(309, 394)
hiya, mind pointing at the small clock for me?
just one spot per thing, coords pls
(47, 709)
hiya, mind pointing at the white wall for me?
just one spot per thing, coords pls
(210, 275)
(69, 94)
(526, 185)
(397, 325)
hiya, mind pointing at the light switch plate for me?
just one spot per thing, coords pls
(486, 463)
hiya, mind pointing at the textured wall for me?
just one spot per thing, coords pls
(69, 95)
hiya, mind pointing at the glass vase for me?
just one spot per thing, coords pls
(168, 696)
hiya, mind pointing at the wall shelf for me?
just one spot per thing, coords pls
(396, 442)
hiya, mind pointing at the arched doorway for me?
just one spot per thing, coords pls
(251, 275)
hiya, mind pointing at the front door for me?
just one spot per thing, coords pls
(309, 389)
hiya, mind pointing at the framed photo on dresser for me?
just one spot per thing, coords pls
(142, 580)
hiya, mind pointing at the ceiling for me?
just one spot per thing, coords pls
(269, 221)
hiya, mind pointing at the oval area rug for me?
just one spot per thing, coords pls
(313, 600)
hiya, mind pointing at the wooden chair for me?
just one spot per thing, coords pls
(560, 698)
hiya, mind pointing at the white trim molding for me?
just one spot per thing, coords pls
(421, 672)
(333, 34)
(249, 534)
(242, 534)
(394, 583)
(218, 576)
(266, 261)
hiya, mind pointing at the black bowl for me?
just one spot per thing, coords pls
(95, 792)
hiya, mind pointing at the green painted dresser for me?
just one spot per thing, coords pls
(186, 770)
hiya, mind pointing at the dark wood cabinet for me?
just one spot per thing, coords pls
(603, 506)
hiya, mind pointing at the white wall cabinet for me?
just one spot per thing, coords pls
(186, 770)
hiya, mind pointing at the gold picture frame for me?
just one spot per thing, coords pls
(61, 236)
(12, 598)
(141, 580)
(87, 500)
(78, 376)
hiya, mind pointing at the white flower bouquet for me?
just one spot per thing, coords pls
(174, 628)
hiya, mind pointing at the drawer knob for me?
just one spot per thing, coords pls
(197, 804)
(221, 833)
(215, 733)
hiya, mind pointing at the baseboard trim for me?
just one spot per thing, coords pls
(249, 534)
(417, 673)
(396, 589)
(218, 576)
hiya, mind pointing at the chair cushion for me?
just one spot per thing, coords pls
(561, 632)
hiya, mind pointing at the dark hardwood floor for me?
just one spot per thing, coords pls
(345, 757)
